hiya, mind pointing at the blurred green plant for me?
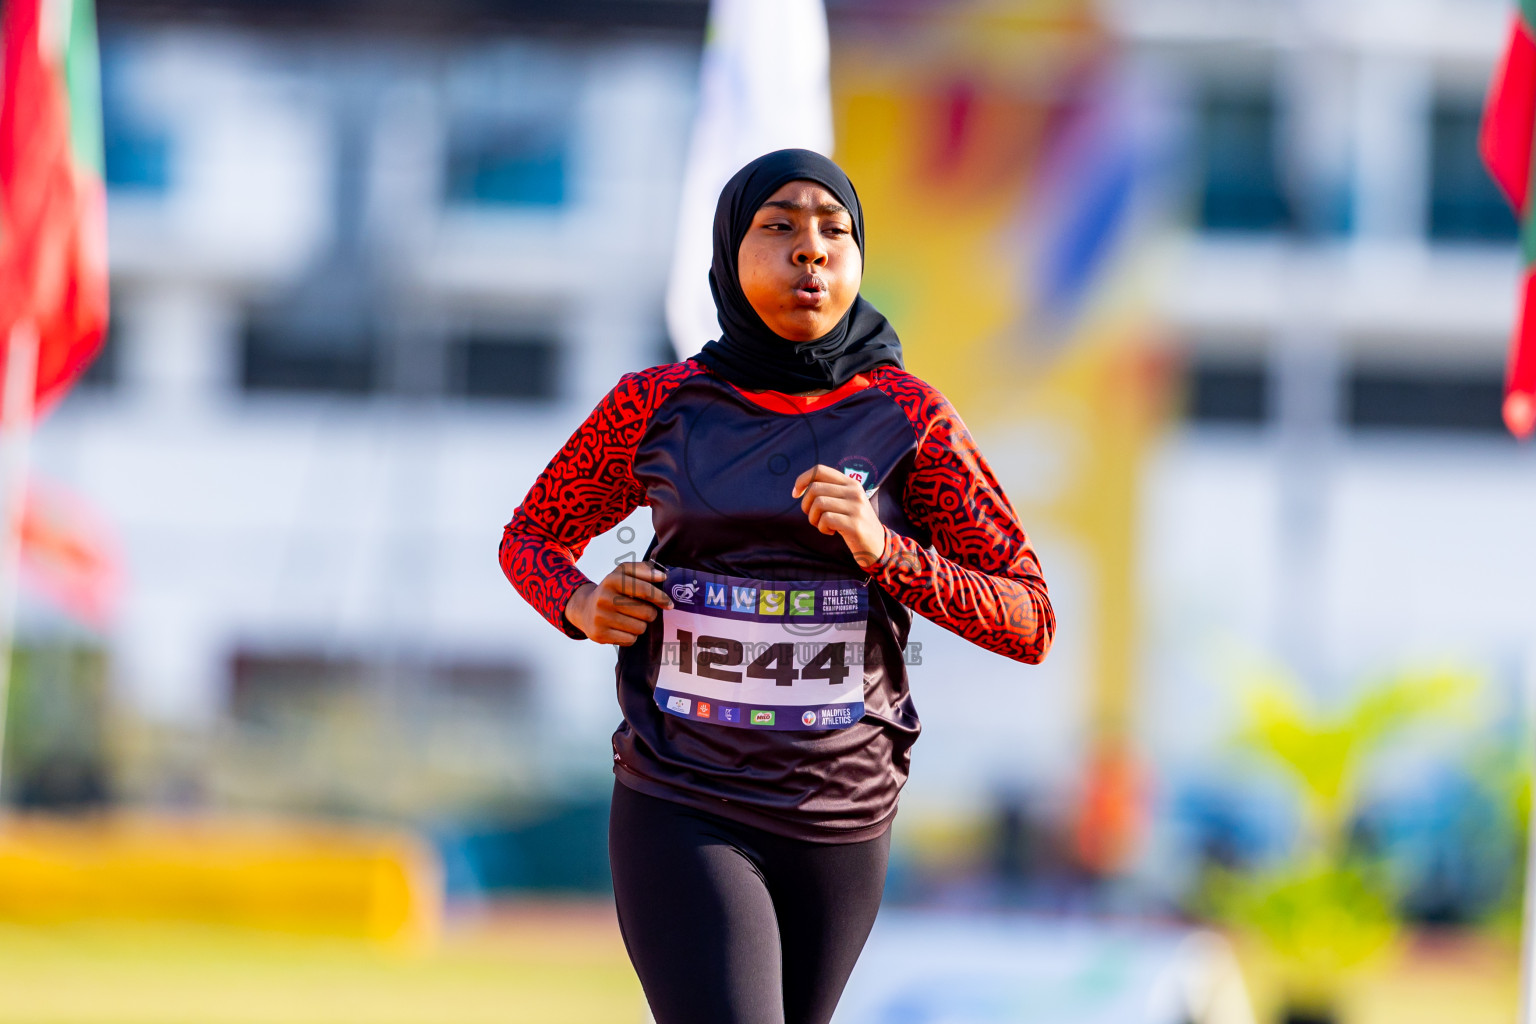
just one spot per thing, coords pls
(55, 750)
(1503, 769)
(1327, 908)
(1325, 755)
(1318, 921)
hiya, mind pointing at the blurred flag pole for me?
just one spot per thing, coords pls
(763, 85)
(16, 410)
(53, 247)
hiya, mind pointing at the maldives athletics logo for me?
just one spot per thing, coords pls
(860, 469)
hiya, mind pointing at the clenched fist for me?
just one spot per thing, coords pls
(836, 503)
(617, 610)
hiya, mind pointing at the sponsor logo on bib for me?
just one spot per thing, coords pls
(802, 602)
(759, 717)
(836, 717)
(809, 718)
(771, 603)
(744, 599)
(683, 593)
(732, 715)
(682, 705)
(703, 709)
(714, 595)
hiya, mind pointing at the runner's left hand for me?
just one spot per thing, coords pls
(835, 503)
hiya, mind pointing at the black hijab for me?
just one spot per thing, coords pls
(748, 353)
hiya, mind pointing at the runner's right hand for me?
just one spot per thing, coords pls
(617, 610)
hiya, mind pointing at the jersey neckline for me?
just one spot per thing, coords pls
(778, 401)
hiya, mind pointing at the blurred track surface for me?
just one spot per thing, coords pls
(537, 963)
(540, 964)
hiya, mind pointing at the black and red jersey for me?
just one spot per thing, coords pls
(716, 466)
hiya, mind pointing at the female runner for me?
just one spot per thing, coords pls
(806, 491)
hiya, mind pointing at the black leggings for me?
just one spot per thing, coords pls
(728, 924)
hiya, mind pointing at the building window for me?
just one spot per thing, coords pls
(137, 159)
(1464, 203)
(511, 113)
(1231, 391)
(280, 354)
(510, 166)
(274, 688)
(1227, 393)
(277, 691)
(463, 728)
(1240, 186)
(525, 368)
(136, 152)
(1418, 399)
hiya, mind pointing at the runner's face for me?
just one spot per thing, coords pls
(799, 265)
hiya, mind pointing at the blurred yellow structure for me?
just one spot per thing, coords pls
(327, 880)
(947, 135)
(529, 964)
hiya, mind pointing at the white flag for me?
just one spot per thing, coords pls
(763, 86)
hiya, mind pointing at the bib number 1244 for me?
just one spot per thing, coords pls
(718, 657)
(761, 654)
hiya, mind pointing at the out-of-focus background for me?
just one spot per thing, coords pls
(1220, 286)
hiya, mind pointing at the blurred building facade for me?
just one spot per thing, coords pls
(365, 280)
(372, 265)
(1341, 495)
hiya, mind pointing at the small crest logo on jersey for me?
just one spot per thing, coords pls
(683, 593)
(861, 470)
(703, 709)
(802, 602)
(744, 599)
(762, 717)
(836, 717)
(808, 718)
(771, 603)
(732, 715)
(714, 595)
(682, 705)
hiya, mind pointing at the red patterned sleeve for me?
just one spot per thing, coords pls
(587, 488)
(980, 579)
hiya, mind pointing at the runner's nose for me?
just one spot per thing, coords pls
(810, 251)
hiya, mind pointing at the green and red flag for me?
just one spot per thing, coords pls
(1509, 129)
(53, 231)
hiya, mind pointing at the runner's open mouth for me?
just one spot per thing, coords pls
(810, 289)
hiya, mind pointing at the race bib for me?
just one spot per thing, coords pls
(759, 654)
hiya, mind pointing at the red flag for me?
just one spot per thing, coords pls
(1508, 132)
(1520, 379)
(69, 555)
(1509, 117)
(53, 252)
